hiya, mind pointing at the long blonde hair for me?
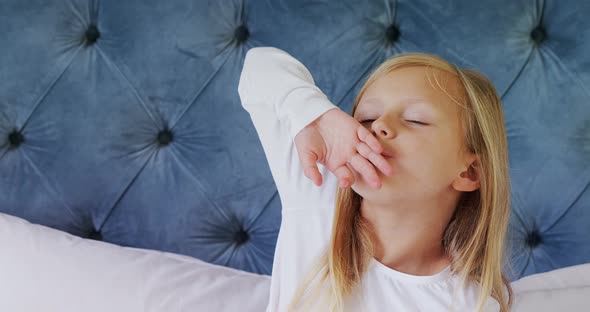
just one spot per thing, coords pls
(474, 237)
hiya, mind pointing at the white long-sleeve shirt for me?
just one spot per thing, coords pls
(281, 97)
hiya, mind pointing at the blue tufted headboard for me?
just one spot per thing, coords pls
(120, 120)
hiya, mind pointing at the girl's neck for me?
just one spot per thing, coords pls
(409, 239)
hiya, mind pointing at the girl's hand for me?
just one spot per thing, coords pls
(336, 140)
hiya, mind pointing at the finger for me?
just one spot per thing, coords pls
(364, 167)
(310, 167)
(345, 176)
(365, 136)
(377, 159)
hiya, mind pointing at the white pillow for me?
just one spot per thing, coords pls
(43, 269)
(565, 289)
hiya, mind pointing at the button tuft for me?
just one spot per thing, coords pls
(392, 33)
(15, 138)
(241, 237)
(533, 239)
(538, 34)
(92, 34)
(165, 137)
(95, 235)
(241, 33)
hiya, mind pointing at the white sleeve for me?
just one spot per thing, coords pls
(281, 97)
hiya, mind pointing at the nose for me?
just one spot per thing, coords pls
(381, 128)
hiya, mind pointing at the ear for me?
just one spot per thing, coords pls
(468, 179)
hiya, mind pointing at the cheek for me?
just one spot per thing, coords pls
(440, 164)
(427, 160)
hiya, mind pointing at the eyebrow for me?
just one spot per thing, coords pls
(406, 101)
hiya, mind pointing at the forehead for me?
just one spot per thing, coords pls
(415, 86)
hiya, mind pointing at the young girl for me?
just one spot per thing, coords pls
(419, 220)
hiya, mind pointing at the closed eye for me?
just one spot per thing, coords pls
(417, 122)
(412, 121)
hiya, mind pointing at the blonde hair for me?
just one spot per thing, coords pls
(474, 237)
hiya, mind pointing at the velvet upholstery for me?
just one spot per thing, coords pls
(120, 120)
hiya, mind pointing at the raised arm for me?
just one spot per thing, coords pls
(281, 97)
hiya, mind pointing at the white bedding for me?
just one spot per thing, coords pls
(566, 289)
(46, 270)
(43, 269)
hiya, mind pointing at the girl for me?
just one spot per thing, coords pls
(425, 231)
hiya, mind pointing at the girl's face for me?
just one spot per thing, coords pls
(418, 125)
